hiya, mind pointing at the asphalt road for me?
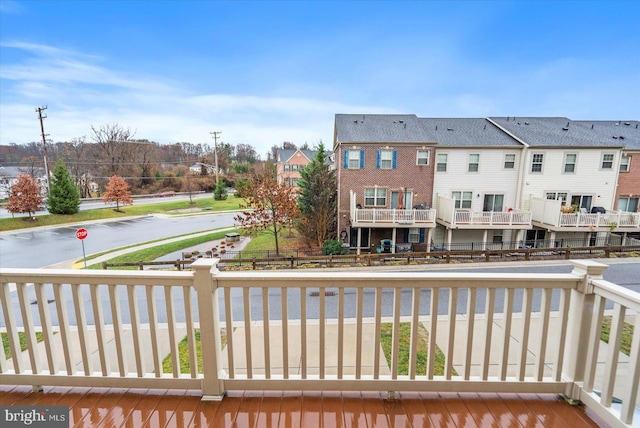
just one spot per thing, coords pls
(44, 247)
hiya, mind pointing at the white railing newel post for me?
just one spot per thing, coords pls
(579, 324)
(205, 284)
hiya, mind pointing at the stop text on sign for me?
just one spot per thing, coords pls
(81, 233)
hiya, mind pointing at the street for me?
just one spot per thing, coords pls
(44, 247)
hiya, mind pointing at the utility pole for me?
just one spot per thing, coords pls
(39, 110)
(215, 150)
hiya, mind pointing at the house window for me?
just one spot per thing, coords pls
(509, 161)
(386, 159)
(607, 161)
(570, 162)
(462, 199)
(624, 163)
(375, 197)
(474, 162)
(536, 162)
(354, 159)
(629, 204)
(422, 157)
(414, 235)
(442, 163)
(286, 167)
(497, 236)
(294, 168)
(493, 203)
(294, 182)
(561, 196)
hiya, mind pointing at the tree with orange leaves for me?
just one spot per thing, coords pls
(25, 196)
(270, 206)
(117, 191)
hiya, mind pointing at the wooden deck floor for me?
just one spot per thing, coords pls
(98, 407)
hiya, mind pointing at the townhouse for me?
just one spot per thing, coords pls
(385, 172)
(476, 187)
(498, 182)
(570, 177)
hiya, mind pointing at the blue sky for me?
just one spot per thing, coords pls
(264, 72)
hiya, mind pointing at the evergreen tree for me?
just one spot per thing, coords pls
(220, 192)
(317, 200)
(65, 196)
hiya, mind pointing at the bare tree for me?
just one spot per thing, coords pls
(115, 152)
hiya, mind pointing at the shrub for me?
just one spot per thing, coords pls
(333, 247)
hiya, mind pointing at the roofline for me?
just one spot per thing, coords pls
(507, 132)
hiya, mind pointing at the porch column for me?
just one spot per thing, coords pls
(393, 240)
(359, 241)
(430, 238)
(206, 288)
(519, 238)
(449, 237)
(484, 239)
(624, 238)
(579, 324)
(552, 238)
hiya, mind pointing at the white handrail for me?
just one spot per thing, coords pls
(296, 330)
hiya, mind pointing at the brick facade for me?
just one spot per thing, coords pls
(293, 164)
(406, 175)
(629, 182)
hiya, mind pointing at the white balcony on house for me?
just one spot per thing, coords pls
(460, 218)
(547, 214)
(385, 217)
(528, 333)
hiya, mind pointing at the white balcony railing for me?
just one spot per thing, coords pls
(492, 218)
(298, 330)
(419, 217)
(548, 212)
(466, 218)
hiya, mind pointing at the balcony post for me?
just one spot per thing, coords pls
(579, 324)
(205, 284)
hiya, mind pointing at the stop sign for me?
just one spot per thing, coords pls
(81, 233)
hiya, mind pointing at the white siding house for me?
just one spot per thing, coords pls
(476, 185)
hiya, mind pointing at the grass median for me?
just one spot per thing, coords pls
(157, 251)
(107, 213)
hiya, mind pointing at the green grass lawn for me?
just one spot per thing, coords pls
(386, 340)
(23, 342)
(153, 253)
(627, 335)
(183, 354)
(140, 208)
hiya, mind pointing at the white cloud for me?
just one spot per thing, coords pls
(81, 92)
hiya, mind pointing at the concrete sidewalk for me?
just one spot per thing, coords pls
(313, 350)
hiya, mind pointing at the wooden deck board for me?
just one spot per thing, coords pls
(118, 407)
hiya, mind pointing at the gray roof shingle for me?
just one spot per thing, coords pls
(467, 132)
(380, 128)
(554, 132)
(481, 132)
